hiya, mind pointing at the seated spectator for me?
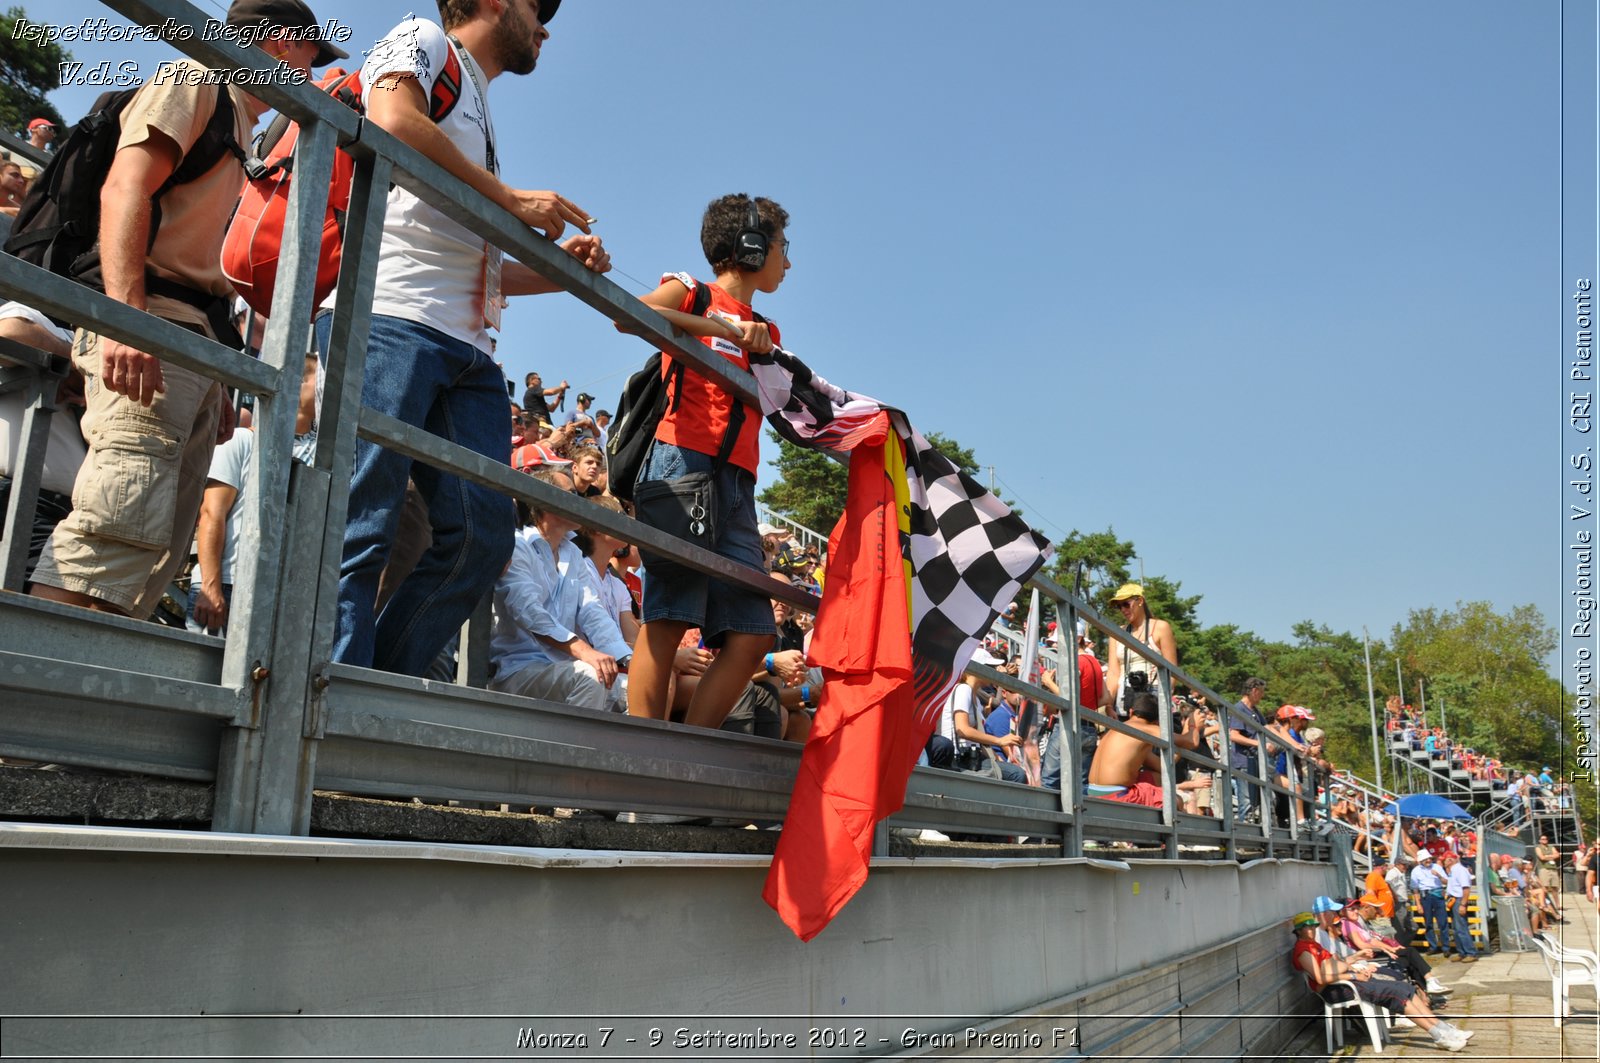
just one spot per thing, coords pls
(774, 703)
(588, 466)
(553, 638)
(1356, 929)
(1127, 768)
(958, 722)
(1338, 980)
(13, 186)
(229, 492)
(64, 448)
(603, 549)
(1541, 907)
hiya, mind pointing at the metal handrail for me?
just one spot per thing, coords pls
(268, 699)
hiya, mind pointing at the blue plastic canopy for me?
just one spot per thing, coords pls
(1427, 806)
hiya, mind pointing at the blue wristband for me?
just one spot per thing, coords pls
(805, 693)
(770, 669)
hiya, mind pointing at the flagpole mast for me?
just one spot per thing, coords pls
(1422, 699)
(1372, 710)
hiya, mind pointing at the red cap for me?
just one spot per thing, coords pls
(532, 455)
(37, 122)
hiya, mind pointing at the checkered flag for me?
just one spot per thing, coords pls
(969, 552)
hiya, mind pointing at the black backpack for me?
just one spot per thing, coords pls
(58, 225)
(640, 408)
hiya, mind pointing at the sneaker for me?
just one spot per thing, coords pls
(1469, 959)
(1402, 1023)
(1436, 986)
(931, 835)
(1447, 1038)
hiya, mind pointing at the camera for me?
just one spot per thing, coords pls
(1137, 682)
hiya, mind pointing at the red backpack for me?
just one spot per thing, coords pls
(251, 247)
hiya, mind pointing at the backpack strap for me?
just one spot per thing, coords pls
(215, 142)
(698, 307)
(446, 87)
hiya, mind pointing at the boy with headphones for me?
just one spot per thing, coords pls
(743, 240)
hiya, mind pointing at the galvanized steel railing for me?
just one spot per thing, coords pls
(268, 717)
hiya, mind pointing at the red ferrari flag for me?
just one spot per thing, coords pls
(921, 546)
(864, 741)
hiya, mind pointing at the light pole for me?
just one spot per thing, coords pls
(1372, 708)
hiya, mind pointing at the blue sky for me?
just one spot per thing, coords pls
(1273, 290)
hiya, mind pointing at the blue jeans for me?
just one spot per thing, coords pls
(188, 613)
(1433, 919)
(1463, 933)
(1011, 772)
(1246, 795)
(453, 390)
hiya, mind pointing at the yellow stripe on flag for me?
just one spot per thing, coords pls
(894, 466)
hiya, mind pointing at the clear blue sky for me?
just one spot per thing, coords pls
(1273, 290)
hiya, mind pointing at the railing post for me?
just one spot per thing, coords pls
(1071, 737)
(280, 802)
(258, 784)
(1167, 756)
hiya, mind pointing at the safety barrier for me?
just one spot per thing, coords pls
(269, 718)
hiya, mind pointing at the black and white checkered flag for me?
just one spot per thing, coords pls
(969, 552)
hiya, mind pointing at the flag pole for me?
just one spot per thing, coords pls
(1372, 709)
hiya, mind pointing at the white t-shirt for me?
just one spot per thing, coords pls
(960, 700)
(613, 592)
(431, 269)
(230, 464)
(64, 451)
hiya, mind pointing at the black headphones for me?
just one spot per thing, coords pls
(750, 246)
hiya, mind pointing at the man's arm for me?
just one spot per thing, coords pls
(517, 279)
(210, 607)
(137, 171)
(398, 104)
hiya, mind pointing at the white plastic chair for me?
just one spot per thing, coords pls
(1333, 1018)
(1568, 952)
(1567, 968)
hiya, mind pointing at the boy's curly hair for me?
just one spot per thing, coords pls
(724, 218)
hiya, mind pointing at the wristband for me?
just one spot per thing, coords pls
(805, 693)
(770, 669)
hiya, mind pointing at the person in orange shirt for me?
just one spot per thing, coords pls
(705, 429)
(1378, 886)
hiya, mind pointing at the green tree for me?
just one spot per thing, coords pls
(810, 488)
(28, 70)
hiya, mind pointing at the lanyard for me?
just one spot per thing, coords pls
(491, 162)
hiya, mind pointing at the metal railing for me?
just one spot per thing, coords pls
(268, 717)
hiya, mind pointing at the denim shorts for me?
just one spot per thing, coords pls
(693, 597)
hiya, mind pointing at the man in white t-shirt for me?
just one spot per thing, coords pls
(229, 490)
(429, 359)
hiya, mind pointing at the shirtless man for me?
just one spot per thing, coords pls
(1127, 768)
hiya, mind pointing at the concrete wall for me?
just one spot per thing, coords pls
(205, 928)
